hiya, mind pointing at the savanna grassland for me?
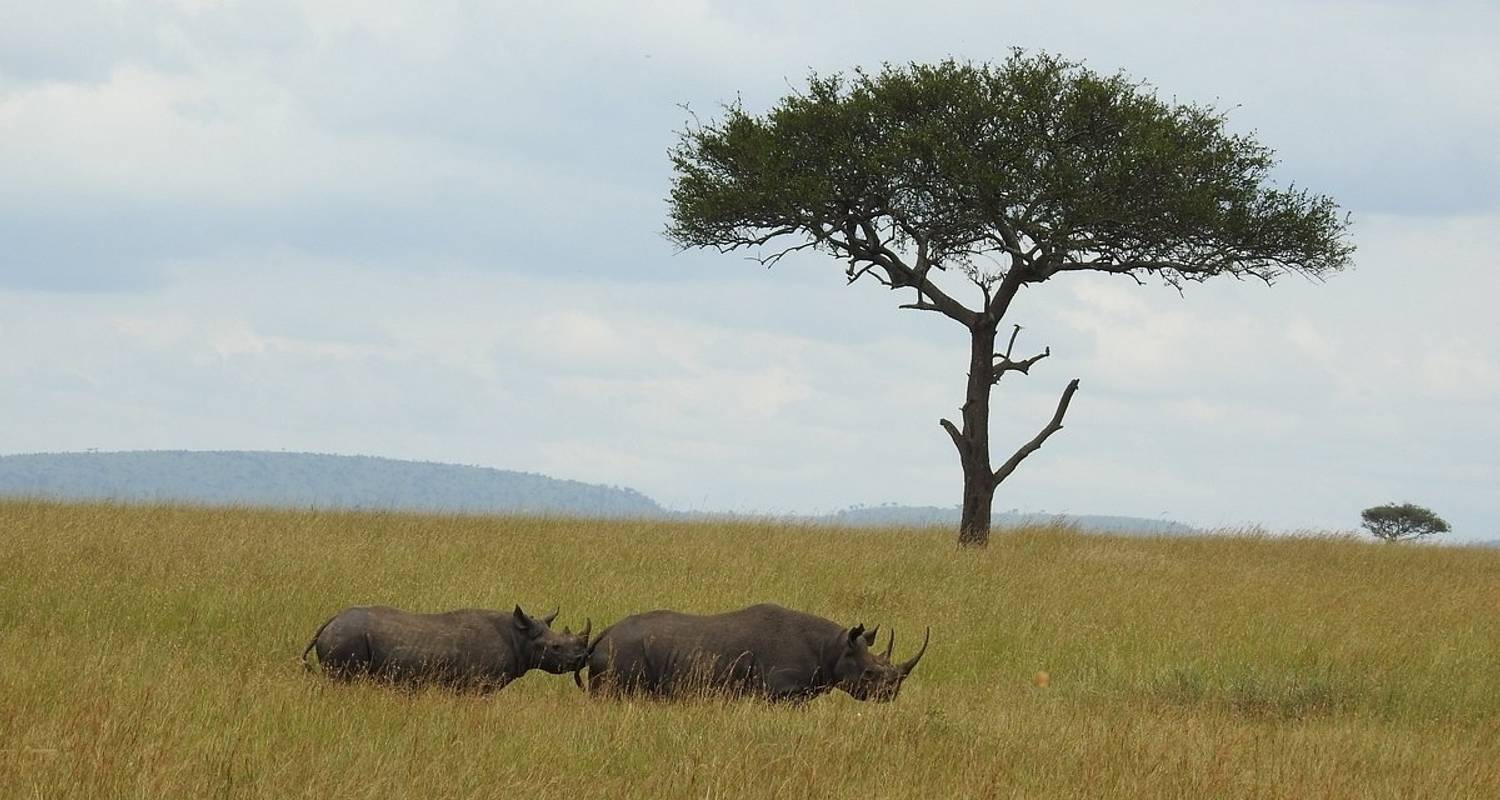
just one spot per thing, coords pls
(152, 652)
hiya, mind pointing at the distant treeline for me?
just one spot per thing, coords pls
(935, 516)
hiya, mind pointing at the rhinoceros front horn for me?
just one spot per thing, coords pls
(588, 627)
(908, 666)
(890, 644)
(547, 620)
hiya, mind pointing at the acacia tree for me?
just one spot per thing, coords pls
(989, 179)
(1393, 523)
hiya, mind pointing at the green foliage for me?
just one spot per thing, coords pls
(1392, 522)
(1038, 160)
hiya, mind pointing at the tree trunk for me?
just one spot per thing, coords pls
(974, 441)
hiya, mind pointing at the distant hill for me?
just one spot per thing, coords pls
(923, 516)
(307, 480)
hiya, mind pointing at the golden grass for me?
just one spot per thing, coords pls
(151, 652)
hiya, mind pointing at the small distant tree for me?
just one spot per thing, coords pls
(1392, 522)
(1004, 176)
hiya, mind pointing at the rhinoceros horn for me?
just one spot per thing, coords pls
(908, 666)
(889, 644)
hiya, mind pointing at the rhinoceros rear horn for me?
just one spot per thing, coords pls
(908, 666)
(547, 620)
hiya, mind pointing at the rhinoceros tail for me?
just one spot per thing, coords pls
(306, 665)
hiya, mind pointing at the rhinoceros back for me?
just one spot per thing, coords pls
(467, 646)
(763, 649)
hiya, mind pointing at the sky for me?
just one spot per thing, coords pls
(433, 230)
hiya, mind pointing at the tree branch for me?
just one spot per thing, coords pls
(1011, 345)
(921, 305)
(953, 433)
(1006, 364)
(771, 260)
(1036, 443)
(853, 275)
(1014, 278)
(869, 248)
(1023, 366)
(733, 242)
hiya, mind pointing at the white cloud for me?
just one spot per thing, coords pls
(226, 138)
(1461, 371)
(1310, 340)
(686, 393)
(431, 230)
(1143, 336)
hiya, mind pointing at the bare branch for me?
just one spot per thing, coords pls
(1014, 278)
(867, 246)
(1005, 364)
(1105, 265)
(771, 260)
(739, 242)
(921, 305)
(854, 275)
(1011, 345)
(923, 264)
(1036, 443)
(953, 433)
(1023, 366)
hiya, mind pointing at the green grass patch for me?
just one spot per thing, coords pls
(152, 651)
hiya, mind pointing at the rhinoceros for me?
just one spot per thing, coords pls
(469, 648)
(765, 651)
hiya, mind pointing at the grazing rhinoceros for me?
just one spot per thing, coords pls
(764, 650)
(469, 648)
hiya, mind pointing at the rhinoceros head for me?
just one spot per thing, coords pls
(867, 676)
(549, 650)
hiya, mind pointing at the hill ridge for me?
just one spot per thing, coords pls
(308, 480)
(305, 479)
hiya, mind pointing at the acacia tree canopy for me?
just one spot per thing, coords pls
(1392, 522)
(1007, 174)
(1029, 168)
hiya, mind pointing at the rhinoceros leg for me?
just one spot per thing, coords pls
(785, 686)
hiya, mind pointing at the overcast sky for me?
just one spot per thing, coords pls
(432, 230)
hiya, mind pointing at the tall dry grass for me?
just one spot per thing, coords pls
(152, 652)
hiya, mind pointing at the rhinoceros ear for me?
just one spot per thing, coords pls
(870, 636)
(522, 621)
(855, 634)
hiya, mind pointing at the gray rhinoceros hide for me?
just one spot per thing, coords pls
(468, 648)
(764, 650)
